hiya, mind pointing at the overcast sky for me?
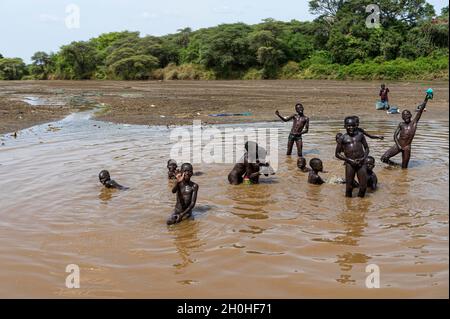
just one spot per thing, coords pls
(27, 26)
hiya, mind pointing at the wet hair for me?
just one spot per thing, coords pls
(314, 163)
(301, 162)
(406, 112)
(371, 158)
(186, 167)
(104, 175)
(350, 118)
(299, 105)
(171, 162)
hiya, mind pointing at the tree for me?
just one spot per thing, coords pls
(78, 60)
(183, 37)
(225, 49)
(12, 68)
(325, 8)
(42, 65)
(138, 67)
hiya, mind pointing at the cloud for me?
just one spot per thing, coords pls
(146, 15)
(226, 10)
(44, 17)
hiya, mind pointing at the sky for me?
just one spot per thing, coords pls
(28, 26)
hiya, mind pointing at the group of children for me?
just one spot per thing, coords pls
(351, 147)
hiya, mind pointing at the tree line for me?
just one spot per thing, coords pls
(411, 42)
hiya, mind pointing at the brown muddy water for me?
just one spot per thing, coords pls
(280, 239)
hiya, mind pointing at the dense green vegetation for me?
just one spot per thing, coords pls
(411, 43)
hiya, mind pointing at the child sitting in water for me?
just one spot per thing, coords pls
(316, 167)
(252, 164)
(301, 164)
(106, 180)
(186, 191)
(372, 179)
(172, 167)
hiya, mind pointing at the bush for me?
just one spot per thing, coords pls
(289, 71)
(424, 68)
(187, 71)
(253, 74)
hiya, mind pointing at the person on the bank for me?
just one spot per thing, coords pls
(384, 96)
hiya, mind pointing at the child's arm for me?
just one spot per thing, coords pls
(306, 127)
(284, 119)
(179, 178)
(420, 111)
(396, 134)
(371, 136)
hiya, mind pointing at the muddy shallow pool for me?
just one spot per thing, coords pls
(280, 239)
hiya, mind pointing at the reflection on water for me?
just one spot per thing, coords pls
(186, 241)
(281, 238)
(106, 194)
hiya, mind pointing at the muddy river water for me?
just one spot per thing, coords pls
(282, 238)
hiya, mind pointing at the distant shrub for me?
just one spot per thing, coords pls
(253, 74)
(187, 71)
(423, 68)
(289, 71)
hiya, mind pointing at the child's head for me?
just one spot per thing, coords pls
(316, 164)
(301, 163)
(383, 86)
(172, 165)
(370, 162)
(356, 118)
(188, 171)
(350, 125)
(406, 116)
(299, 108)
(104, 176)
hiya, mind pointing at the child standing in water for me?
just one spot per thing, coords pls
(404, 134)
(300, 126)
(353, 149)
(186, 191)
